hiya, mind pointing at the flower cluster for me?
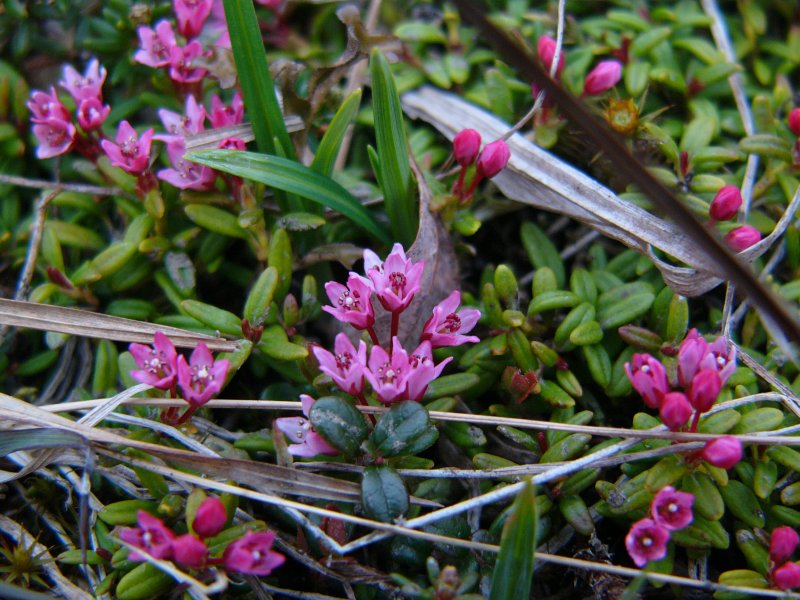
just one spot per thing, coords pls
(488, 163)
(393, 374)
(647, 539)
(703, 369)
(783, 573)
(249, 555)
(725, 207)
(199, 379)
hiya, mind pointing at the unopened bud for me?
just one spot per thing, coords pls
(210, 517)
(787, 576)
(726, 203)
(794, 121)
(546, 49)
(493, 159)
(675, 410)
(724, 452)
(742, 238)
(782, 543)
(466, 146)
(603, 77)
(704, 389)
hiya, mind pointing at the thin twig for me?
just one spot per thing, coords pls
(40, 184)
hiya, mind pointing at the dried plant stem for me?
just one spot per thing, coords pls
(40, 184)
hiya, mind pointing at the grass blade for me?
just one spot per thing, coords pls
(292, 177)
(332, 140)
(390, 135)
(513, 572)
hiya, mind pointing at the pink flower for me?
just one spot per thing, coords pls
(158, 363)
(54, 136)
(726, 203)
(603, 77)
(724, 452)
(189, 551)
(307, 442)
(186, 175)
(672, 509)
(649, 378)
(179, 126)
(720, 359)
(782, 543)
(794, 121)
(388, 375)
(89, 85)
(704, 389)
(222, 115)
(210, 517)
(546, 49)
(692, 352)
(421, 370)
(396, 280)
(742, 238)
(44, 106)
(446, 327)
(351, 304)
(493, 159)
(151, 535)
(92, 114)
(253, 554)
(346, 365)
(787, 576)
(131, 153)
(156, 45)
(466, 146)
(202, 377)
(192, 15)
(180, 63)
(675, 410)
(647, 541)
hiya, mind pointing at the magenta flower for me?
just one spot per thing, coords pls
(720, 359)
(692, 352)
(131, 153)
(345, 365)
(395, 280)
(222, 115)
(546, 49)
(44, 106)
(179, 126)
(649, 378)
(675, 410)
(672, 509)
(54, 137)
(307, 442)
(253, 554)
(92, 114)
(446, 327)
(88, 85)
(466, 146)
(210, 517)
(388, 375)
(647, 542)
(603, 77)
(202, 377)
(151, 535)
(351, 304)
(742, 238)
(422, 370)
(793, 121)
(156, 45)
(188, 551)
(186, 175)
(782, 543)
(704, 389)
(787, 576)
(192, 15)
(726, 203)
(493, 159)
(724, 452)
(180, 63)
(158, 363)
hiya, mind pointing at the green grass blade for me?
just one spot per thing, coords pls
(294, 178)
(513, 572)
(392, 145)
(332, 140)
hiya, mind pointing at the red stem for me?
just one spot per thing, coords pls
(395, 326)
(373, 336)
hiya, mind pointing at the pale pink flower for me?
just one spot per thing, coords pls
(446, 327)
(742, 238)
(222, 115)
(782, 543)
(151, 535)
(345, 365)
(88, 85)
(603, 77)
(202, 377)
(186, 175)
(180, 63)
(672, 509)
(675, 410)
(648, 377)
(306, 441)
(192, 15)
(647, 542)
(396, 280)
(210, 517)
(493, 159)
(466, 146)
(352, 303)
(55, 137)
(388, 375)
(422, 370)
(44, 106)
(158, 363)
(724, 452)
(131, 153)
(787, 576)
(92, 114)
(156, 45)
(704, 389)
(179, 126)
(253, 554)
(188, 551)
(546, 49)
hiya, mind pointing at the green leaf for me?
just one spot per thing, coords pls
(390, 135)
(383, 494)
(339, 422)
(145, 581)
(329, 146)
(215, 219)
(513, 572)
(290, 176)
(405, 428)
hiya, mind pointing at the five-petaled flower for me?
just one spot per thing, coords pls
(647, 542)
(395, 280)
(151, 535)
(672, 509)
(307, 442)
(649, 378)
(253, 554)
(131, 153)
(352, 303)
(202, 377)
(345, 365)
(157, 364)
(88, 85)
(447, 325)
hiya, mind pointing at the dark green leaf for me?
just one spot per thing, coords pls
(405, 428)
(513, 572)
(339, 422)
(383, 494)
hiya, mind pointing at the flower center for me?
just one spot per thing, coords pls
(647, 542)
(645, 369)
(397, 281)
(343, 361)
(672, 507)
(387, 375)
(130, 147)
(201, 375)
(452, 324)
(56, 136)
(349, 300)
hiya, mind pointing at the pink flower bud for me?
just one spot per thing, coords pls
(672, 509)
(546, 49)
(603, 77)
(493, 159)
(466, 146)
(794, 121)
(647, 541)
(675, 410)
(726, 203)
(704, 389)
(188, 551)
(782, 543)
(649, 378)
(742, 238)
(92, 114)
(210, 517)
(787, 576)
(724, 452)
